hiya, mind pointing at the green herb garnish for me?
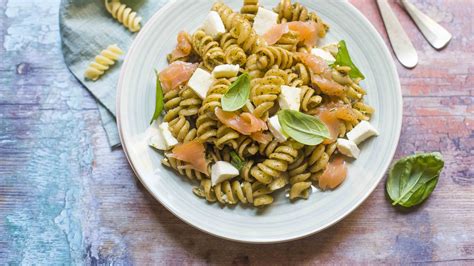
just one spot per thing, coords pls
(236, 160)
(344, 59)
(305, 129)
(413, 178)
(237, 94)
(158, 99)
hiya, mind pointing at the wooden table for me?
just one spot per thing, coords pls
(65, 197)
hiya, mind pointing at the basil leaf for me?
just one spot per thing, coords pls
(236, 160)
(305, 129)
(237, 94)
(344, 59)
(158, 100)
(413, 178)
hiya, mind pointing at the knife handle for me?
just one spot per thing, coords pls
(401, 44)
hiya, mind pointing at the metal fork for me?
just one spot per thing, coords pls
(434, 33)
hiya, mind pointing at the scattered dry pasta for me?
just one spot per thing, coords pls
(123, 14)
(102, 62)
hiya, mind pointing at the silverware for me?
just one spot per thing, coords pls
(399, 40)
(434, 33)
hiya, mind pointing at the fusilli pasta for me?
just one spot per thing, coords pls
(239, 27)
(275, 165)
(213, 99)
(233, 54)
(182, 129)
(265, 91)
(289, 41)
(102, 62)
(182, 168)
(123, 14)
(274, 56)
(233, 192)
(172, 105)
(249, 9)
(206, 128)
(288, 12)
(208, 49)
(243, 137)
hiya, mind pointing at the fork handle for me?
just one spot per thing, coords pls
(434, 33)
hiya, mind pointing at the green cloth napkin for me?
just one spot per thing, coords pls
(86, 29)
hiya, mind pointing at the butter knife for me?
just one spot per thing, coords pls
(401, 44)
(436, 35)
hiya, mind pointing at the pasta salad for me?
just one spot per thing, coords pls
(251, 104)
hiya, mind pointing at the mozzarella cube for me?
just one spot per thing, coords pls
(361, 132)
(213, 24)
(348, 148)
(200, 82)
(225, 71)
(154, 136)
(167, 136)
(157, 142)
(290, 98)
(264, 20)
(332, 48)
(222, 171)
(325, 55)
(276, 130)
(161, 137)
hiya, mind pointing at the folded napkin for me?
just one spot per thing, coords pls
(86, 29)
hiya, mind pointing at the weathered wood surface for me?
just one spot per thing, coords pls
(66, 198)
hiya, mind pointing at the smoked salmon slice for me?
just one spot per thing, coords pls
(334, 175)
(261, 137)
(309, 32)
(333, 124)
(191, 152)
(328, 87)
(321, 75)
(316, 64)
(183, 48)
(274, 33)
(245, 123)
(176, 74)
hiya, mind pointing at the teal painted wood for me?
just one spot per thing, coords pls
(66, 198)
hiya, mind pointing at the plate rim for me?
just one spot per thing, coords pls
(147, 27)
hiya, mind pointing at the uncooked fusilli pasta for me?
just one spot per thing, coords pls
(102, 62)
(123, 14)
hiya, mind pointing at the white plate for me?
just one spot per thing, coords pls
(283, 220)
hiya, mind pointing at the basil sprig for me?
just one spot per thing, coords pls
(413, 178)
(158, 100)
(305, 129)
(344, 59)
(237, 94)
(236, 160)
